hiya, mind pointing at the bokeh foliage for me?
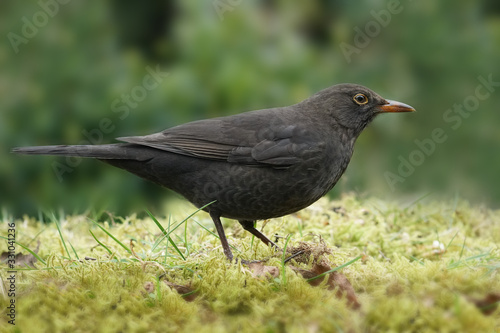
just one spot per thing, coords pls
(65, 79)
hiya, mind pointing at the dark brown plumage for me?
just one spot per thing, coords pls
(255, 165)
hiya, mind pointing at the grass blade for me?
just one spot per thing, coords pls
(113, 237)
(283, 262)
(74, 251)
(166, 235)
(335, 269)
(98, 241)
(422, 197)
(54, 219)
(27, 249)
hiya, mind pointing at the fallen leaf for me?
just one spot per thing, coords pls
(150, 287)
(21, 259)
(335, 280)
(188, 293)
(394, 289)
(488, 304)
(260, 270)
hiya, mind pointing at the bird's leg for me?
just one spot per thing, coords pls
(250, 227)
(220, 230)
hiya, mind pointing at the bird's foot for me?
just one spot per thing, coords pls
(248, 262)
(296, 254)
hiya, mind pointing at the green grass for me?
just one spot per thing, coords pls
(416, 268)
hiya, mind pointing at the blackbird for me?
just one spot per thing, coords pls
(251, 166)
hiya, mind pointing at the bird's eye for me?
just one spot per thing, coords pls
(360, 99)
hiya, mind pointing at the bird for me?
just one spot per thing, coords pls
(251, 166)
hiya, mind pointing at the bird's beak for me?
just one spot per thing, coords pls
(393, 106)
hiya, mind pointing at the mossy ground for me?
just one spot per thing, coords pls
(423, 268)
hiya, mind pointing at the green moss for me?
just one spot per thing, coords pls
(422, 270)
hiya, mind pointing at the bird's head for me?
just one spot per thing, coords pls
(353, 106)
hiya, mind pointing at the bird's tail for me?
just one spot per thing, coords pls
(109, 151)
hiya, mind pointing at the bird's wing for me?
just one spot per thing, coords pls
(249, 139)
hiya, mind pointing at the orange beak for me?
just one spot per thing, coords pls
(393, 106)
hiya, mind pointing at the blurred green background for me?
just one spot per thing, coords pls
(67, 66)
